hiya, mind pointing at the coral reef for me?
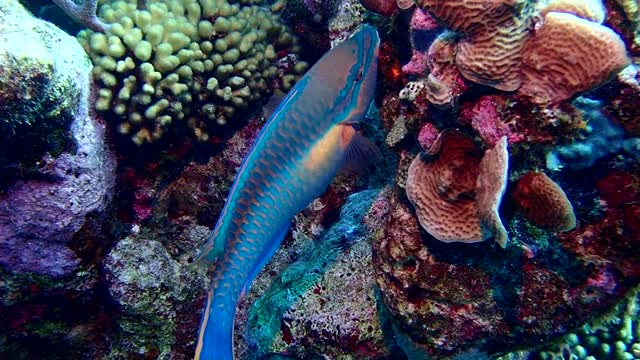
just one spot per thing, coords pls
(39, 216)
(152, 289)
(471, 299)
(457, 192)
(497, 48)
(612, 335)
(543, 202)
(181, 62)
(478, 106)
(40, 68)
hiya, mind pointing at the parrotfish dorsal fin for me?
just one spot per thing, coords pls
(358, 151)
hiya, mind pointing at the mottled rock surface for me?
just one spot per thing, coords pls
(40, 213)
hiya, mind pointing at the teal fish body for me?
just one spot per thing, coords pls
(293, 160)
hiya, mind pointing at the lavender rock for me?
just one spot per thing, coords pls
(39, 217)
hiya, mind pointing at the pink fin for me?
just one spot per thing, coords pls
(359, 153)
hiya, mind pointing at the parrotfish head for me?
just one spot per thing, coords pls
(347, 75)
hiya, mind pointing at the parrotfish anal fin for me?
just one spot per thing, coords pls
(359, 152)
(211, 249)
(265, 256)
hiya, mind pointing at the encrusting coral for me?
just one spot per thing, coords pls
(543, 202)
(547, 54)
(449, 185)
(186, 62)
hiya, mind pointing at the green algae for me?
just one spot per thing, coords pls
(265, 314)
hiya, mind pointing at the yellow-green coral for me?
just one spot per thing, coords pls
(185, 61)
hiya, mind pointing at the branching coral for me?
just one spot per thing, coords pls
(186, 63)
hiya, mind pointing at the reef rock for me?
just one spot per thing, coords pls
(324, 304)
(450, 298)
(48, 88)
(154, 292)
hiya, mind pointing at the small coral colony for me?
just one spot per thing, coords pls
(502, 219)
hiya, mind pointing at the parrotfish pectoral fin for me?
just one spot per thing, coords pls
(265, 256)
(358, 151)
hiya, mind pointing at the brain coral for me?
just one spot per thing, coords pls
(450, 183)
(548, 54)
(586, 9)
(490, 186)
(568, 55)
(442, 190)
(543, 202)
(185, 63)
(494, 33)
(470, 16)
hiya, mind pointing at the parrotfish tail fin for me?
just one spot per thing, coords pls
(215, 339)
(210, 251)
(359, 152)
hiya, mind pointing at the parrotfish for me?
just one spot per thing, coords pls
(307, 140)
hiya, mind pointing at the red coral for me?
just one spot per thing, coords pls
(382, 7)
(418, 65)
(389, 66)
(543, 202)
(421, 20)
(485, 116)
(427, 136)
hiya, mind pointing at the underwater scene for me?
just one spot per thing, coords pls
(320, 179)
